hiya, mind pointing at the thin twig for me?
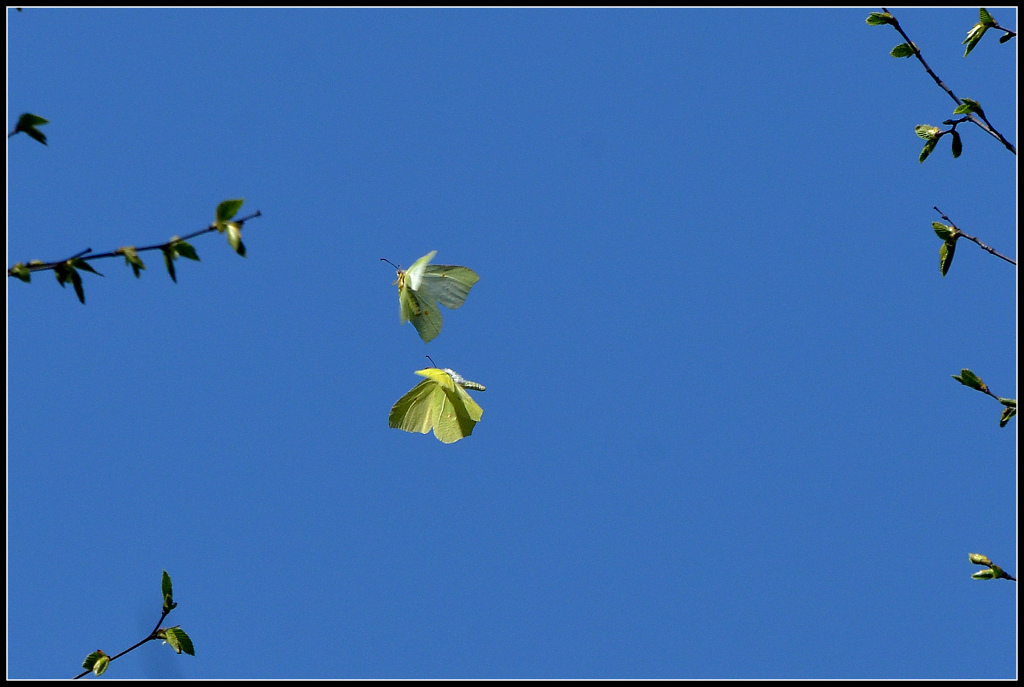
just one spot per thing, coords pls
(113, 254)
(151, 637)
(967, 236)
(995, 25)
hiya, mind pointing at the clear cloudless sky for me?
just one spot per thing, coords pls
(720, 437)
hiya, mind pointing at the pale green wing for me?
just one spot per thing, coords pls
(418, 409)
(455, 420)
(423, 314)
(447, 284)
(426, 319)
(415, 272)
(473, 409)
(454, 413)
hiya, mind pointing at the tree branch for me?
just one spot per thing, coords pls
(967, 236)
(979, 120)
(42, 266)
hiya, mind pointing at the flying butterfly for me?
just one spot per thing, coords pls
(423, 286)
(439, 402)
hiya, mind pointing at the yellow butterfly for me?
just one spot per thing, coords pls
(423, 286)
(439, 402)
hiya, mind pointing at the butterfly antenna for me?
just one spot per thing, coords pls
(391, 263)
(431, 361)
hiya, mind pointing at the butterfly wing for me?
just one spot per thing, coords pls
(455, 420)
(457, 413)
(447, 284)
(414, 274)
(417, 410)
(413, 306)
(424, 315)
(473, 409)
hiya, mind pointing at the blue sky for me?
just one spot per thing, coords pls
(720, 437)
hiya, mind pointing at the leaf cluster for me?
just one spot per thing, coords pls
(974, 34)
(992, 571)
(67, 270)
(969, 379)
(969, 109)
(27, 124)
(985, 22)
(97, 662)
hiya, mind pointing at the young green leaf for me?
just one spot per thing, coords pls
(21, 272)
(968, 378)
(82, 264)
(1008, 413)
(76, 279)
(968, 106)
(97, 662)
(993, 572)
(438, 403)
(184, 249)
(178, 640)
(927, 150)
(68, 271)
(62, 272)
(423, 286)
(978, 30)
(943, 231)
(171, 252)
(167, 592)
(132, 259)
(946, 256)
(902, 50)
(235, 238)
(879, 19)
(228, 209)
(973, 36)
(169, 256)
